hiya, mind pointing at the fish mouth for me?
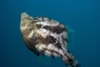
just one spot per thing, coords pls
(24, 15)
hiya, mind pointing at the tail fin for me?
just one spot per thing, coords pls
(70, 60)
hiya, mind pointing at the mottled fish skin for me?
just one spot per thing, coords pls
(47, 37)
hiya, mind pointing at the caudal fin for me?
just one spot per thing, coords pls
(70, 60)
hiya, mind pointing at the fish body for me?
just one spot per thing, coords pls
(47, 37)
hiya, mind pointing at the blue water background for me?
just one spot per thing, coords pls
(82, 15)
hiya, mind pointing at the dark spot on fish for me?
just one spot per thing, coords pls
(68, 51)
(58, 45)
(38, 26)
(39, 39)
(55, 29)
(78, 65)
(66, 40)
(50, 39)
(53, 57)
(43, 51)
(70, 60)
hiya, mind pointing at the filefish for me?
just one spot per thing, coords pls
(47, 37)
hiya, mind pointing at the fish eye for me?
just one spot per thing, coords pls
(36, 19)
